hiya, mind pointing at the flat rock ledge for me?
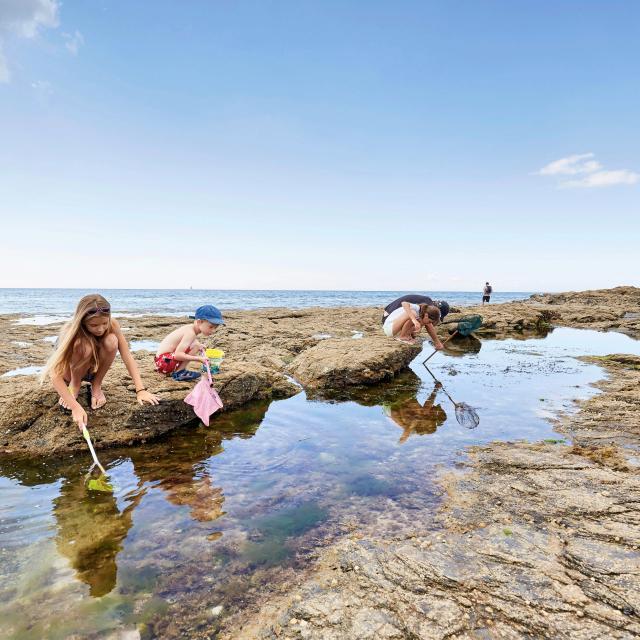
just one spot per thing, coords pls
(337, 364)
(272, 354)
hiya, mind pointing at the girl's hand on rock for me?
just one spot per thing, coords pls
(79, 416)
(63, 403)
(144, 396)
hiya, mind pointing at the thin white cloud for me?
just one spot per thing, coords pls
(42, 87)
(604, 179)
(591, 173)
(24, 19)
(73, 42)
(571, 165)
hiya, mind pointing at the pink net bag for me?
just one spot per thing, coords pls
(204, 398)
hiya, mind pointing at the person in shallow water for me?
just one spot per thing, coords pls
(85, 350)
(412, 417)
(404, 317)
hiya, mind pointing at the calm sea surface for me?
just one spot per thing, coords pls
(179, 301)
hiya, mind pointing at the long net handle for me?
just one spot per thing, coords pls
(436, 350)
(441, 386)
(85, 433)
(204, 353)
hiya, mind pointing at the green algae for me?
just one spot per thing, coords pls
(274, 530)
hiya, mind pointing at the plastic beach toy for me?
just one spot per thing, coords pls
(215, 360)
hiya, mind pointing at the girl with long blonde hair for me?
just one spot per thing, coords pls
(85, 350)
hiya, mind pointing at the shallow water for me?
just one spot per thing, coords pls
(143, 345)
(22, 371)
(206, 516)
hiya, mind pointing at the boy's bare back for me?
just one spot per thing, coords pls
(185, 334)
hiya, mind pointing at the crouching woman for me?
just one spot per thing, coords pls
(406, 322)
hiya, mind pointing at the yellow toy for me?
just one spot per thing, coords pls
(215, 359)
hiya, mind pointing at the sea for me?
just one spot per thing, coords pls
(53, 302)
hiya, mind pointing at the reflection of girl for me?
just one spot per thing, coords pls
(85, 350)
(412, 417)
(91, 532)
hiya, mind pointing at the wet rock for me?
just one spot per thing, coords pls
(336, 364)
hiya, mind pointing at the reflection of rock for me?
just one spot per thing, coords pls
(178, 466)
(462, 345)
(90, 533)
(404, 386)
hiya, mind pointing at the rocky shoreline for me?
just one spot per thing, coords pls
(532, 540)
(271, 353)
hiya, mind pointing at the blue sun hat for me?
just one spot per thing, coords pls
(209, 313)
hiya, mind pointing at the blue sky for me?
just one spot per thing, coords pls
(322, 145)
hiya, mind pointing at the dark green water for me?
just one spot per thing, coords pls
(209, 517)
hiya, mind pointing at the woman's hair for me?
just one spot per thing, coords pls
(432, 312)
(74, 332)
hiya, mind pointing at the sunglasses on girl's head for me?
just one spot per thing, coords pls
(92, 312)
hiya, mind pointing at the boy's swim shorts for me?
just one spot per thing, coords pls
(166, 363)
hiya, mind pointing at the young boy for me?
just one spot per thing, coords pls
(181, 347)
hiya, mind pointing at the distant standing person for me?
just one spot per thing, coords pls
(486, 292)
(404, 317)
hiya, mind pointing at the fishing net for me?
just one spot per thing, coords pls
(96, 481)
(466, 415)
(467, 324)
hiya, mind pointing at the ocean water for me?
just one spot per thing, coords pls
(182, 301)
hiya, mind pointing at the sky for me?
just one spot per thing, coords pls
(320, 145)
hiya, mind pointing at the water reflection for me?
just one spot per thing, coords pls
(415, 418)
(463, 345)
(90, 532)
(399, 401)
(90, 526)
(402, 387)
(466, 415)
